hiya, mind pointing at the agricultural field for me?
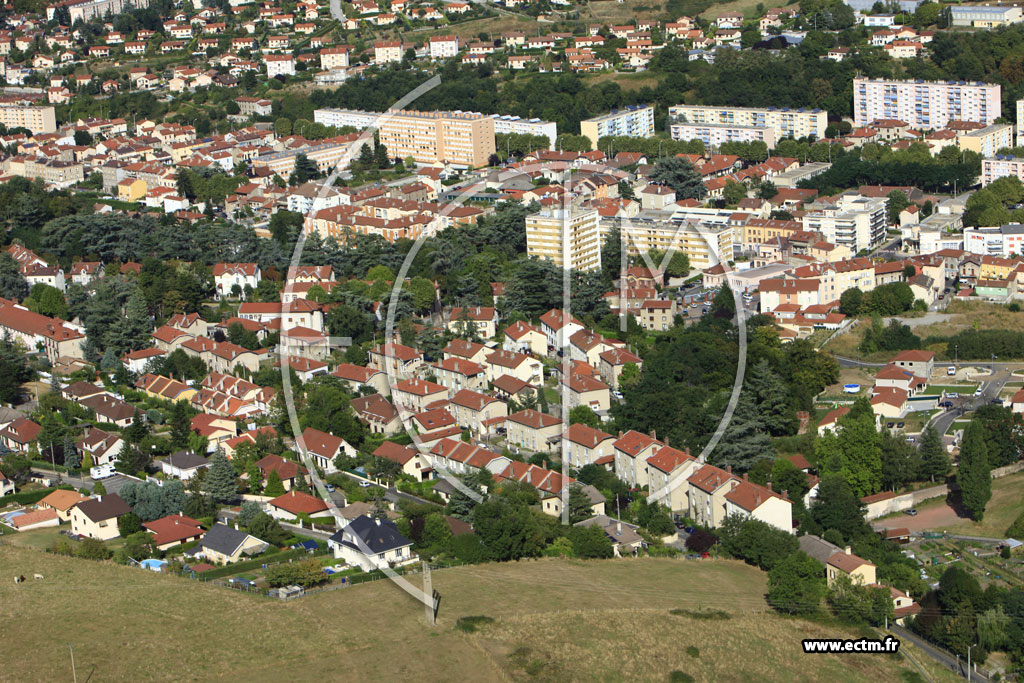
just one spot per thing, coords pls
(537, 629)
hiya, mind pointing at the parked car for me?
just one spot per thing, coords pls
(899, 425)
(946, 404)
(979, 391)
(889, 425)
(911, 512)
(996, 401)
(951, 370)
(952, 394)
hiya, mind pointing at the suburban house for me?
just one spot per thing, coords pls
(97, 517)
(585, 390)
(36, 519)
(407, 458)
(324, 448)
(371, 543)
(294, 503)
(377, 413)
(586, 445)
(631, 452)
(109, 409)
(288, 470)
(397, 361)
(466, 350)
(838, 561)
(477, 412)
(920, 363)
(483, 320)
(433, 425)
(457, 374)
(183, 465)
(519, 365)
(173, 530)
(102, 446)
(19, 434)
(532, 429)
(750, 500)
(625, 537)
(612, 362)
(523, 337)
(357, 377)
(61, 501)
(227, 276)
(706, 493)
(224, 545)
(414, 395)
(667, 472)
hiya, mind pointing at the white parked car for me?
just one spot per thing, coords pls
(101, 471)
(951, 370)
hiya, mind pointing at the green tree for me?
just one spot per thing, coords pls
(796, 585)
(772, 398)
(837, 507)
(746, 439)
(274, 487)
(756, 542)
(590, 542)
(934, 459)
(580, 505)
(854, 453)
(129, 523)
(585, 415)
(221, 482)
(973, 474)
(679, 174)
(733, 192)
(12, 284)
(851, 302)
(508, 531)
(181, 425)
(133, 333)
(896, 202)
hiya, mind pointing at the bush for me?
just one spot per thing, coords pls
(707, 615)
(701, 541)
(1016, 529)
(680, 677)
(470, 624)
(92, 549)
(693, 651)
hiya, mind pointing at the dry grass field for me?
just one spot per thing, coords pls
(966, 314)
(553, 620)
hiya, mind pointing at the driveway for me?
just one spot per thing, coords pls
(928, 519)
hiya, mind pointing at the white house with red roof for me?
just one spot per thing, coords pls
(324, 448)
(407, 458)
(631, 452)
(668, 470)
(482, 319)
(395, 360)
(356, 377)
(523, 337)
(227, 275)
(294, 503)
(414, 395)
(477, 412)
(532, 430)
(457, 374)
(558, 326)
(583, 445)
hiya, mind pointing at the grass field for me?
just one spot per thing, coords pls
(1006, 505)
(965, 313)
(128, 623)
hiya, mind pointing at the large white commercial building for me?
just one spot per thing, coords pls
(854, 222)
(985, 16)
(633, 122)
(784, 122)
(925, 104)
(999, 240)
(339, 118)
(569, 236)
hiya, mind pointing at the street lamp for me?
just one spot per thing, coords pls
(969, 677)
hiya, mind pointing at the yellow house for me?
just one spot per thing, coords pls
(707, 488)
(224, 545)
(62, 501)
(97, 517)
(846, 563)
(129, 190)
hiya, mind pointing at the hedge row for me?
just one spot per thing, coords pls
(26, 497)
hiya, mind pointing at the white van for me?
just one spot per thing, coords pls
(951, 370)
(101, 471)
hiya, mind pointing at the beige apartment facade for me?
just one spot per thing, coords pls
(551, 232)
(456, 138)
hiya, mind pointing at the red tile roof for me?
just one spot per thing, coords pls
(298, 502)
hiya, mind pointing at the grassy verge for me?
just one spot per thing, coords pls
(535, 607)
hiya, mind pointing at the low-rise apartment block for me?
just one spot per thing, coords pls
(633, 121)
(783, 122)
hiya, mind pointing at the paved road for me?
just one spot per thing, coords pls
(940, 656)
(77, 482)
(990, 389)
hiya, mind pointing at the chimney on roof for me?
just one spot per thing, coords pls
(785, 494)
(620, 433)
(100, 498)
(768, 485)
(745, 477)
(654, 434)
(728, 468)
(847, 550)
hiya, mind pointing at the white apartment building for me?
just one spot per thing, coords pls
(443, 47)
(506, 123)
(339, 118)
(986, 16)
(714, 134)
(855, 222)
(1001, 166)
(784, 122)
(569, 236)
(999, 240)
(633, 121)
(279, 65)
(925, 104)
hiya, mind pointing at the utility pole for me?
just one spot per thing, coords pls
(969, 661)
(74, 674)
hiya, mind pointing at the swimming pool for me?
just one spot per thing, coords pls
(153, 564)
(8, 516)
